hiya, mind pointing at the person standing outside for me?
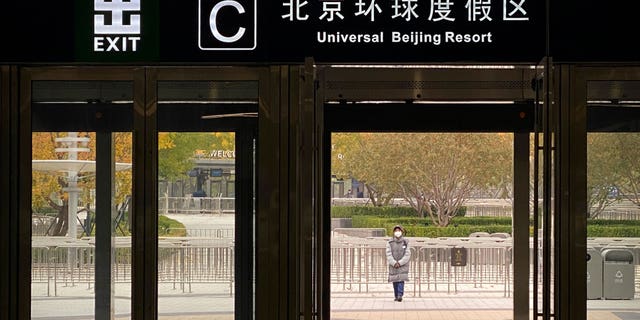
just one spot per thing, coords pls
(398, 257)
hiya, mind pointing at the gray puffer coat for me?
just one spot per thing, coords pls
(398, 251)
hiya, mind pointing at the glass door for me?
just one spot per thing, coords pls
(206, 198)
(611, 97)
(448, 158)
(80, 198)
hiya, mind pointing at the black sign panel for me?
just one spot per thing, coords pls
(590, 30)
(418, 30)
(218, 31)
(210, 31)
(458, 257)
(115, 31)
(227, 25)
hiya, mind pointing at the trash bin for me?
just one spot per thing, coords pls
(502, 235)
(479, 235)
(594, 274)
(618, 274)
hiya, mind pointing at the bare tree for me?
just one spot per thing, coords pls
(434, 172)
(605, 163)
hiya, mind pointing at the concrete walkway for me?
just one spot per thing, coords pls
(206, 306)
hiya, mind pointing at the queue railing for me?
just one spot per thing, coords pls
(357, 264)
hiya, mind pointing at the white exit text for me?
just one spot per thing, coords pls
(118, 44)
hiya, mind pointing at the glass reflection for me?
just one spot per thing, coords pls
(613, 199)
(64, 226)
(453, 194)
(196, 224)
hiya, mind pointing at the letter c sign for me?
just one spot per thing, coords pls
(227, 24)
(213, 21)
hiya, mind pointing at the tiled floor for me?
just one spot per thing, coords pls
(419, 304)
(419, 315)
(353, 307)
(456, 315)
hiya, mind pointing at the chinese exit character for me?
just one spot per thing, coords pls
(513, 10)
(295, 9)
(368, 9)
(119, 11)
(331, 9)
(479, 10)
(441, 9)
(405, 9)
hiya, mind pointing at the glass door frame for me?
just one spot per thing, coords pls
(543, 181)
(357, 81)
(266, 184)
(27, 76)
(276, 275)
(572, 194)
(8, 157)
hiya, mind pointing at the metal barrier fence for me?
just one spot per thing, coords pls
(489, 211)
(619, 215)
(187, 261)
(182, 261)
(357, 264)
(217, 233)
(196, 205)
(60, 261)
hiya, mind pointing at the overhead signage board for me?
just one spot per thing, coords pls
(419, 30)
(147, 31)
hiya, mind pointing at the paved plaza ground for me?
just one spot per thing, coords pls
(198, 307)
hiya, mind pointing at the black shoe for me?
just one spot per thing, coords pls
(399, 299)
(395, 299)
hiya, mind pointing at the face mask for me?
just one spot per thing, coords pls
(398, 234)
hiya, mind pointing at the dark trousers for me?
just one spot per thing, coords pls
(398, 289)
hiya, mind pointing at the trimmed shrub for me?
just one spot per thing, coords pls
(382, 222)
(387, 217)
(384, 212)
(168, 227)
(613, 231)
(372, 222)
(599, 222)
(451, 231)
(482, 220)
(388, 212)
(416, 227)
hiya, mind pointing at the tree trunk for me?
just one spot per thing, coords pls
(60, 226)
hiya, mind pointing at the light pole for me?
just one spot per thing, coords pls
(72, 145)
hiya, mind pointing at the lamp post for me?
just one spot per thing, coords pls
(72, 145)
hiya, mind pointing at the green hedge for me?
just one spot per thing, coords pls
(168, 227)
(387, 217)
(383, 212)
(416, 227)
(463, 226)
(612, 231)
(599, 222)
(382, 222)
(451, 231)
(482, 220)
